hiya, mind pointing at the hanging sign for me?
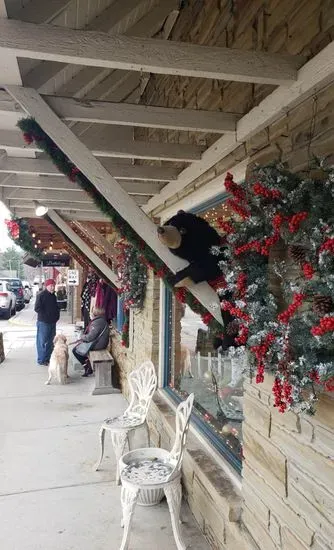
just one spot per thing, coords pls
(73, 277)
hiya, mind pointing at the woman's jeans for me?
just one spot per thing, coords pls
(44, 341)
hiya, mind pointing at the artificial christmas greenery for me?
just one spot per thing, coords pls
(18, 231)
(279, 279)
(32, 132)
(132, 274)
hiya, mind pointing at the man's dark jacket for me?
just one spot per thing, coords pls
(95, 330)
(46, 307)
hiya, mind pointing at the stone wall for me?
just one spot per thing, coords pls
(287, 493)
(143, 335)
(288, 473)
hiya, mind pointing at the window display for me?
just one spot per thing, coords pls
(194, 365)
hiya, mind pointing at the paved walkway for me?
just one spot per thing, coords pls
(50, 498)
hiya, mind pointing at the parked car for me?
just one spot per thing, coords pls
(7, 300)
(17, 287)
(27, 291)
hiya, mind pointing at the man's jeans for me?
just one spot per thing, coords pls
(45, 335)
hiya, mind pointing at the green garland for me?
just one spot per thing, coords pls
(23, 238)
(32, 132)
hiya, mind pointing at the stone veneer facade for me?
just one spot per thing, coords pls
(287, 496)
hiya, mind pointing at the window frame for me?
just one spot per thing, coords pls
(198, 423)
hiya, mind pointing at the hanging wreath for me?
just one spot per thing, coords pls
(280, 274)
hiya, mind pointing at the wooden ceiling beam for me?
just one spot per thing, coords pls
(71, 214)
(11, 139)
(13, 165)
(48, 42)
(127, 114)
(31, 186)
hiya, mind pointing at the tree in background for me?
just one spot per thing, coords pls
(11, 260)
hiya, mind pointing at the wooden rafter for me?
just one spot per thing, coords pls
(21, 183)
(34, 105)
(10, 139)
(45, 167)
(97, 49)
(127, 114)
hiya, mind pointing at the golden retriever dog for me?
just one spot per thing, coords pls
(59, 361)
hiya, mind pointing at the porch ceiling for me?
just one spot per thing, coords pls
(94, 79)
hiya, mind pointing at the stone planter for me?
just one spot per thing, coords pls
(147, 497)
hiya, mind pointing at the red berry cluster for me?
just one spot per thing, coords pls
(314, 376)
(74, 172)
(329, 384)
(326, 324)
(225, 226)
(234, 188)
(296, 220)
(207, 318)
(220, 282)
(327, 246)
(282, 393)
(252, 245)
(260, 352)
(241, 339)
(241, 284)
(286, 315)
(268, 242)
(308, 270)
(28, 138)
(263, 191)
(238, 209)
(235, 311)
(278, 219)
(180, 295)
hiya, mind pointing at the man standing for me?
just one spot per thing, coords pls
(47, 311)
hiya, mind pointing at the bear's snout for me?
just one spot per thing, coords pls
(161, 230)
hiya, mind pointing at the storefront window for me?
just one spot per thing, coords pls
(193, 365)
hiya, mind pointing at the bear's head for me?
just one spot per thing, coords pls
(187, 230)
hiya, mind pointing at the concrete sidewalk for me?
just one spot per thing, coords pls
(50, 498)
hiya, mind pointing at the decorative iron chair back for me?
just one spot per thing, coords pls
(182, 421)
(143, 383)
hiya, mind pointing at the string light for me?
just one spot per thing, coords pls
(50, 247)
(39, 241)
(35, 245)
(51, 243)
(33, 235)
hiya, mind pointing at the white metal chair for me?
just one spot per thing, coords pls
(142, 383)
(155, 468)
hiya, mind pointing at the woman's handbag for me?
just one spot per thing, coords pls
(83, 348)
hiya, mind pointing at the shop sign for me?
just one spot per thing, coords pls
(56, 262)
(73, 277)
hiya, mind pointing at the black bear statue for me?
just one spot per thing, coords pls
(192, 238)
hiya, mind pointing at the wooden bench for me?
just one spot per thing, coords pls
(102, 363)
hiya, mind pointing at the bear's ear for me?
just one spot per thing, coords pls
(182, 231)
(181, 212)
